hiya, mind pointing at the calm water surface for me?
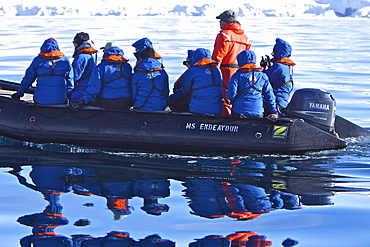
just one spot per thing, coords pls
(319, 199)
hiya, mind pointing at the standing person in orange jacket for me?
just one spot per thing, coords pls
(228, 44)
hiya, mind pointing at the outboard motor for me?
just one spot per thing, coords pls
(314, 106)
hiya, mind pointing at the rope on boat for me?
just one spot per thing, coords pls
(146, 121)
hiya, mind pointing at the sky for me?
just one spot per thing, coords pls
(257, 8)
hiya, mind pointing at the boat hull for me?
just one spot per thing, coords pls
(168, 132)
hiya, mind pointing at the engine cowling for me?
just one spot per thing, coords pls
(314, 106)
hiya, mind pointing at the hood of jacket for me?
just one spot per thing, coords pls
(148, 64)
(83, 45)
(246, 56)
(199, 54)
(115, 50)
(282, 49)
(49, 45)
(190, 57)
(233, 26)
(143, 43)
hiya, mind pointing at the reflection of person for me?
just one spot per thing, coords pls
(43, 226)
(51, 181)
(119, 185)
(249, 88)
(241, 238)
(110, 82)
(155, 240)
(214, 199)
(83, 64)
(228, 44)
(281, 73)
(239, 200)
(150, 87)
(202, 82)
(211, 240)
(53, 73)
(247, 238)
(113, 238)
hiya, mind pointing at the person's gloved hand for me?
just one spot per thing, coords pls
(16, 96)
(273, 116)
(77, 106)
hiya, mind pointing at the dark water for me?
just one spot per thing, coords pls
(320, 199)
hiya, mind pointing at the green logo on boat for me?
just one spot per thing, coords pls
(280, 132)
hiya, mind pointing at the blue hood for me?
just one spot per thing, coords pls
(115, 50)
(199, 54)
(49, 45)
(190, 57)
(245, 57)
(149, 64)
(282, 49)
(143, 43)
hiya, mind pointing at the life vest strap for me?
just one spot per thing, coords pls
(282, 85)
(151, 91)
(229, 65)
(46, 75)
(214, 82)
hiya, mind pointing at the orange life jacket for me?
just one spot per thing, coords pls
(249, 67)
(286, 61)
(205, 62)
(52, 55)
(115, 59)
(87, 50)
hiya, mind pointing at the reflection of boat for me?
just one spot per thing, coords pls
(314, 185)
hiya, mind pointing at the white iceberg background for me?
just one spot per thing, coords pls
(257, 8)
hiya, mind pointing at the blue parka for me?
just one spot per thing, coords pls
(83, 65)
(248, 97)
(203, 82)
(280, 73)
(111, 78)
(150, 88)
(53, 73)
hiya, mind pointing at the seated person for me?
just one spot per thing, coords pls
(150, 87)
(280, 74)
(54, 75)
(83, 64)
(201, 84)
(181, 104)
(249, 88)
(110, 82)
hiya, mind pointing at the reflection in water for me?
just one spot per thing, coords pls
(119, 185)
(242, 189)
(242, 201)
(120, 238)
(51, 182)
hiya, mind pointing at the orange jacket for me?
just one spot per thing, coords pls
(229, 43)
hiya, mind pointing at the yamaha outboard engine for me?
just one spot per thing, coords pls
(315, 107)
